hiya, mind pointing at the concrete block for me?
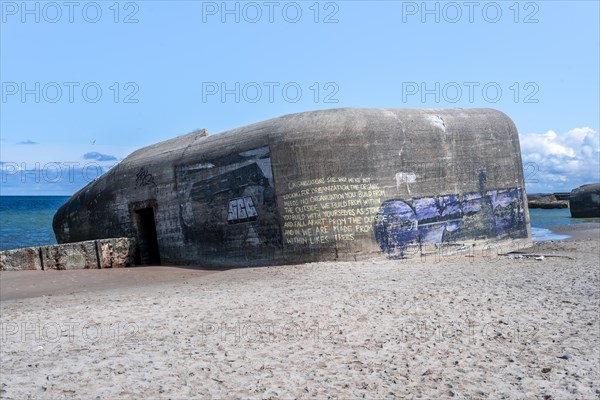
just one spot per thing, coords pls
(79, 255)
(27, 258)
(585, 201)
(115, 253)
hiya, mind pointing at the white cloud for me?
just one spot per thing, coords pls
(560, 162)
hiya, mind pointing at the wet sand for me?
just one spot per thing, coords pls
(501, 326)
(580, 231)
(26, 284)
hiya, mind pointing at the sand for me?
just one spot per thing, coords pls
(466, 327)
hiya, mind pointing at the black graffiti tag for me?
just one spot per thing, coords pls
(144, 178)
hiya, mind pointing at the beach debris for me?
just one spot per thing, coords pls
(566, 356)
(539, 258)
(546, 370)
(536, 256)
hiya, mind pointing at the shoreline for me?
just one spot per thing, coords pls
(574, 231)
(578, 231)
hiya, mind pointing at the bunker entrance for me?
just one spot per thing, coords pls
(147, 239)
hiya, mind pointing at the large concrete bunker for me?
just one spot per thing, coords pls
(342, 184)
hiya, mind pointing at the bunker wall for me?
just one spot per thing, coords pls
(337, 184)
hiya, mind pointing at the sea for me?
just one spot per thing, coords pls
(27, 221)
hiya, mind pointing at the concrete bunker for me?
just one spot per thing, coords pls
(342, 184)
(584, 201)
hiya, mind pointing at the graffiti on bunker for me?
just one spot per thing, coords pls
(241, 210)
(229, 201)
(402, 227)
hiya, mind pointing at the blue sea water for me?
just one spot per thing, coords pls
(542, 219)
(27, 221)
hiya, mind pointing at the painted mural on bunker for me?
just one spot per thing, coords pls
(229, 201)
(403, 227)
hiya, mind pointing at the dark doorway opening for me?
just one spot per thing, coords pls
(147, 239)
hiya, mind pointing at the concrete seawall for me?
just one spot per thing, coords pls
(91, 254)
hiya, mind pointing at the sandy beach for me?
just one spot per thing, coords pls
(515, 326)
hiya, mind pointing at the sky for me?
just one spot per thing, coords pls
(86, 83)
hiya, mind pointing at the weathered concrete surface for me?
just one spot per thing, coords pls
(342, 184)
(26, 258)
(585, 201)
(115, 253)
(547, 201)
(80, 255)
(91, 254)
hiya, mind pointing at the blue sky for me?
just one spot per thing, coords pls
(85, 84)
